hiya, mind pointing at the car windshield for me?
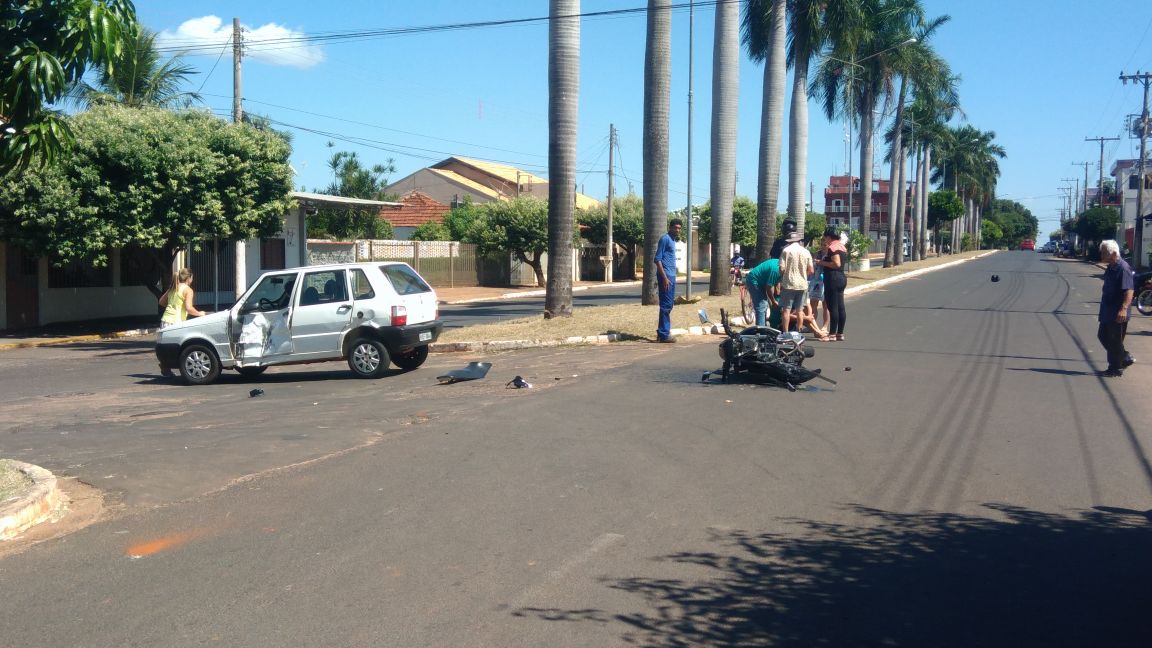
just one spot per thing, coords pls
(272, 294)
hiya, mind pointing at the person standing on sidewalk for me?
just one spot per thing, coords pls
(795, 269)
(1115, 308)
(666, 279)
(834, 262)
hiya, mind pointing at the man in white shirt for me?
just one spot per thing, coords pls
(795, 268)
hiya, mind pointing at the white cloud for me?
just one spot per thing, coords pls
(271, 43)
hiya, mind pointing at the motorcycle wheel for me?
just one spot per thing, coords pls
(1144, 302)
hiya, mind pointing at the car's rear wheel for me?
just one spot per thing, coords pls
(411, 359)
(368, 358)
(199, 365)
(251, 372)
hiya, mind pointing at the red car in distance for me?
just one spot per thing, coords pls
(1028, 244)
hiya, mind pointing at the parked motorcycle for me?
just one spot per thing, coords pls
(764, 353)
(1143, 283)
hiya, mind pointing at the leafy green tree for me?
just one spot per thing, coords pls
(352, 179)
(461, 220)
(743, 221)
(139, 77)
(627, 225)
(993, 235)
(46, 46)
(431, 231)
(1096, 225)
(944, 206)
(518, 227)
(1014, 222)
(149, 178)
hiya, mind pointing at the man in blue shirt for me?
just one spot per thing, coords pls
(1115, 308)
(666, 279)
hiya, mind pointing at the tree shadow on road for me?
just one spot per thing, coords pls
(902, 579)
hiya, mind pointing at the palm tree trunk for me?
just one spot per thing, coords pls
(563, 104)
(771, 133)
(725, 104)
(867, 125)
(925, 171)
(657, 84)
(798, 143)
(914, 219)
(896, 191)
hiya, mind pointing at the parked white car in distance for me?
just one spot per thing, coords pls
(370, 314)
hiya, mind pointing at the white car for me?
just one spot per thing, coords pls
(368, 313)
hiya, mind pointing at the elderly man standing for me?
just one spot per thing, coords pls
(795, 268)
(1115, 307)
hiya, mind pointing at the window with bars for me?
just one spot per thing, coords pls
(272, 254)
(79, 274)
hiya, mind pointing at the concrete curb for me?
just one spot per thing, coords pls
(537, 293)
(95, 337)
(35, 506)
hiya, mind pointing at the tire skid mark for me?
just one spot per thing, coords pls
(927, 445)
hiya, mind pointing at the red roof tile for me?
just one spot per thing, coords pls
(417, 208)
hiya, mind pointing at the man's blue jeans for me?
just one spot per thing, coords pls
(759, 303)
(667, 300)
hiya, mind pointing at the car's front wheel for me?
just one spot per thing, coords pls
(368, 358)
(199, 365)
(411, 359)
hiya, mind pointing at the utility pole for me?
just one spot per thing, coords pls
(238, 117)
(610, 253)
(1085, 195)
(1138, 236)
(688, 210)
(1099, 187)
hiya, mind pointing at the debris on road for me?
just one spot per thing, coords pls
(255, 392)
(518, 383)
(474, 371)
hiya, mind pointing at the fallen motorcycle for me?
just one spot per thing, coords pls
(1143, 283)
(763, 353)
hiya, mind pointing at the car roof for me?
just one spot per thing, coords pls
(336, 266)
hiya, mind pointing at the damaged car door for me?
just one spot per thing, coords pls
(261, 322)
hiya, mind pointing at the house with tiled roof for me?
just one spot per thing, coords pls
(456, 178)
(413, 210)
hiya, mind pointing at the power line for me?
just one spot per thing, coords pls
(364, 34)
(383, 128)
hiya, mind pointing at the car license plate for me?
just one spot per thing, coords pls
(425, 336)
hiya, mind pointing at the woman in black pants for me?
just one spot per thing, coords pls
(835, 262)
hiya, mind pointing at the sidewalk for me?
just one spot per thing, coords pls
(125, 327)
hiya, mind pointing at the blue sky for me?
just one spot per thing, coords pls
(1042, 74)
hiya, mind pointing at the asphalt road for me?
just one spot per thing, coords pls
(461, 315)
(969, 482)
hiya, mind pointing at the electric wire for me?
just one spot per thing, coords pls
(364, 34)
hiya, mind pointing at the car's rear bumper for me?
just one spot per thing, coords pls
(406, 338)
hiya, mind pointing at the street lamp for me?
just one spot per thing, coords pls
(854, 63)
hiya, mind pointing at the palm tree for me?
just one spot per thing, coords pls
(936, 102)
(867, 36)
(764, 35)
(805, 40)
(657, 88)
(969, 162)
(563, 104)
(139, 77)
(725, 100)
(921, 68)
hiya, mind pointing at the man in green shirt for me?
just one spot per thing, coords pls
(762, 281)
